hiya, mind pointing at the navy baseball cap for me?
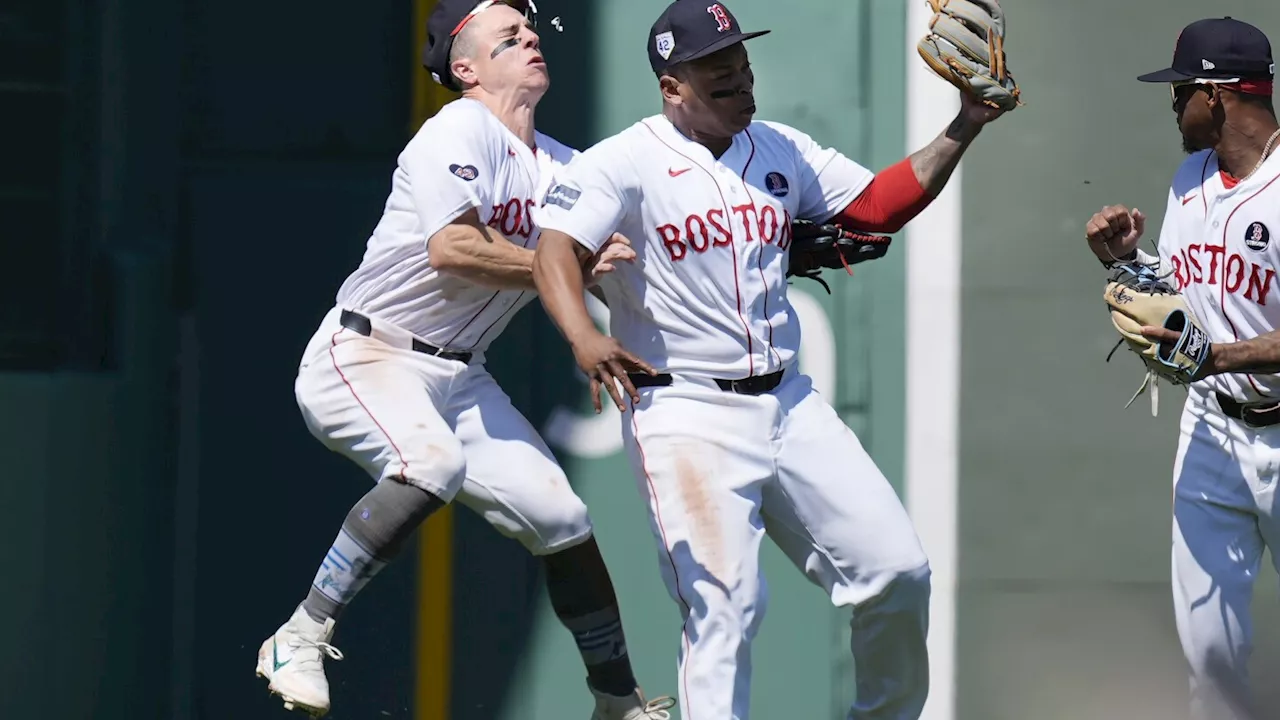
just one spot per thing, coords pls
(690, 29)
(446, 21)
(1218, 49)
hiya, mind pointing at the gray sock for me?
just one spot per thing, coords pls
(372, 535)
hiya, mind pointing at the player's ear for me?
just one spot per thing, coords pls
(464, 70)
(1213, 95)
(670, 87)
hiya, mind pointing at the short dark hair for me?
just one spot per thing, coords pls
(679, 71)
(464, 46)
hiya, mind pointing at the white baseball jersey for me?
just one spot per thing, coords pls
(1217, 240)
(707, 293)
(462, 158)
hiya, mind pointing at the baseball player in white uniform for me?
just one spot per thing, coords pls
(729, 442)
(1216, 246)
(394, 377)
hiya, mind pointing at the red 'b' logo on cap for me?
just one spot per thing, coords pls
(722, 17)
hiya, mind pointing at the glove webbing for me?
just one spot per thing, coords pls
(816, 273)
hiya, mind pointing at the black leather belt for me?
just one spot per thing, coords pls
(1252, 416)
(754, 385)
(356, 322)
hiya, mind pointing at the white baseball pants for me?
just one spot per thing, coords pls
(440, 425)
(1224, 493)
(721, 470)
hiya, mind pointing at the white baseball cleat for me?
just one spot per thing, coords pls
(292, 661)
(631, 707)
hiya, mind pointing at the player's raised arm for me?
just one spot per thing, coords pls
(934, 163)
(900, 192)
(837, 189)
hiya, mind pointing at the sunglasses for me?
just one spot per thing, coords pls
(1174, 87)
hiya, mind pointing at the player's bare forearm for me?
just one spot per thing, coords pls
(934, 163)
(557, 276)
(1258, 355)
(480, 254)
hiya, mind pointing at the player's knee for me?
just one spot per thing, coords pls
(560, 522)
(434, 463)
(726, 620)
(753, 606)
(1214, 663)
(1215, 652)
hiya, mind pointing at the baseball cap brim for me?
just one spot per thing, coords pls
(1163, 76)
(723, 43)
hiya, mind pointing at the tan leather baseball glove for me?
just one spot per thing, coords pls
(1137, 297)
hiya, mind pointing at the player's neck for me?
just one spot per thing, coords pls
(716, 145)
(1242, 142)
(516, 111)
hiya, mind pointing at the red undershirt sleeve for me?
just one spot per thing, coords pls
(892, 199)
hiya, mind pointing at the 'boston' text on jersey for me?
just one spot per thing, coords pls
(702, 232)
(1189, 267)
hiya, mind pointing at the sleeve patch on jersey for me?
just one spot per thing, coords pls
(562, 195)
(466, 172)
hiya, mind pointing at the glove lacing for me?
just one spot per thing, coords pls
(1151, 380)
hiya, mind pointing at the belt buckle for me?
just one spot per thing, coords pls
(455, 355)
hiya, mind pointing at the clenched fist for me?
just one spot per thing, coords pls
(1114, 232)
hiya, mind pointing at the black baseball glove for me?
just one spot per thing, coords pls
(816, 246)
